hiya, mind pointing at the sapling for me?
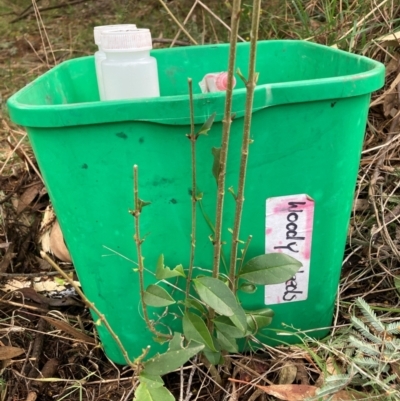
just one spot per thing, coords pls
(239, 197)
(212, 318)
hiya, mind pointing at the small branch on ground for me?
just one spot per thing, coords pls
(37, 349)
(29, 10)
(176, 42)
(92, 306)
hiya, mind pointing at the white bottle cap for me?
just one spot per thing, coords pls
(98, 29)
(125, 40)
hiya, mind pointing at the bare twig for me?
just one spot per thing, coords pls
(38, 274)
(28, 11)
(138, 241)
(166, 40)
(250, 87)
(43, 34)
(361, 21)
(25, 367)
(371, 189)
(131, 390)
(11, 154)
(218, 19)
(177, 22)
(245, 249)
(92, 306)
(225, 138)
(175, 41)
(193, 140)
(182, 383)
(37, 348)
(22, 154)
(190, 380)
(17, 304)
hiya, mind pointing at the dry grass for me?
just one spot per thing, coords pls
(68, 352)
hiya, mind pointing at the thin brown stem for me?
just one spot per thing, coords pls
(218, 19)
(242, 258)
(193, 140)
(175, 39)
(235, 18)
(92, 306)
(250, 86)
(138, 242)
(225, 138)
(181, 27)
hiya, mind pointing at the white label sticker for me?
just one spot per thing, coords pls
(288, 229)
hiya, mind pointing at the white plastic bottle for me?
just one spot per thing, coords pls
(100, 55)
(129, 72)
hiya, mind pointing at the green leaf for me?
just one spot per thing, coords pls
(225, 326)
(258, 319)
(163, 272)
(257, 322)
(160, 340)
(248, 288)
(195, 329)
(215, 358)
(157, 296)
(239, 319)
(241, 76)
(151, 381)
(176, 343)
(146, 393)
(59, 281)
(195, 304)
(267, 312)
(207, 125)
(216, 295)
(232, 191)
(171, 360)
(272, 268)
(142, 204)
(216, 163)
(226, 342)
(370, 315)
(179, 270)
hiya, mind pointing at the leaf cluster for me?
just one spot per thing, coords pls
(212, 336)
(372, 354)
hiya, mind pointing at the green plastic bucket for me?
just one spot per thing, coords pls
(309, 116)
